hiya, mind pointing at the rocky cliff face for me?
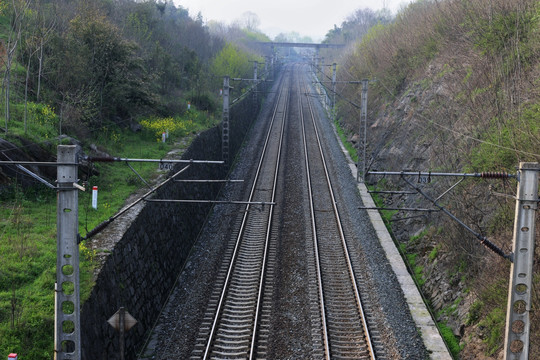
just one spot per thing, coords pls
(422, 129)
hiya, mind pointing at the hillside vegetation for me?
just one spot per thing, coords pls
(456, 89)
(112, 75)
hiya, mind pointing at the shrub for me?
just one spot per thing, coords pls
(506, 33)
(203, 102)
(474, 312)
(509, 141)
(174, 126)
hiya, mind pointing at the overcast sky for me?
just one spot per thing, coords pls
(307, 17)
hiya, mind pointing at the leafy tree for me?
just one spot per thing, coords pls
(357, 25)
(232, 62)
(99, 60)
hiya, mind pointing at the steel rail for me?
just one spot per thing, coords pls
(267, 238)
(228, 277)
(314, 229)
(342, 236)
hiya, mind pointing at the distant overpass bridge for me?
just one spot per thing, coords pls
(300, 45)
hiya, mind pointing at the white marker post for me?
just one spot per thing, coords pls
(94, 197)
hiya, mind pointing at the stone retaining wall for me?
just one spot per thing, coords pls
(144, 265)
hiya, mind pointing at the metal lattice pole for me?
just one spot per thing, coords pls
(67, 339)
(225, 121)
(255, 75)
(334, 68)
(516, 344)
(363, 130)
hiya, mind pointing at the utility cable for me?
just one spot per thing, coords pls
(27, 172)
(105, 223)
(483, 240)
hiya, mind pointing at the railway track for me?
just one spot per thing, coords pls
(239, 316)
(344, 327)
(230, 327)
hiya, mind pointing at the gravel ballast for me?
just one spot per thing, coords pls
(176, 330)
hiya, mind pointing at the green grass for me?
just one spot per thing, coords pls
(27, 277)
(416, 238)
(386, 215)
(353, 152)
(433, 253)
(120, 181)
(493, 302)
(28, 230)
(116, 181)
(450, 339)
(417, 270)
(451, 309)
(494, 322)
(41, 121)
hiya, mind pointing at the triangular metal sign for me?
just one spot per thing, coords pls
(129, 321)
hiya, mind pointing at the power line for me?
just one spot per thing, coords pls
(483, 240)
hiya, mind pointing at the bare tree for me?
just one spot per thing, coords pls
(250, 20)
(19, 8)
(41, 26)
(47, 25)
(31, 49)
